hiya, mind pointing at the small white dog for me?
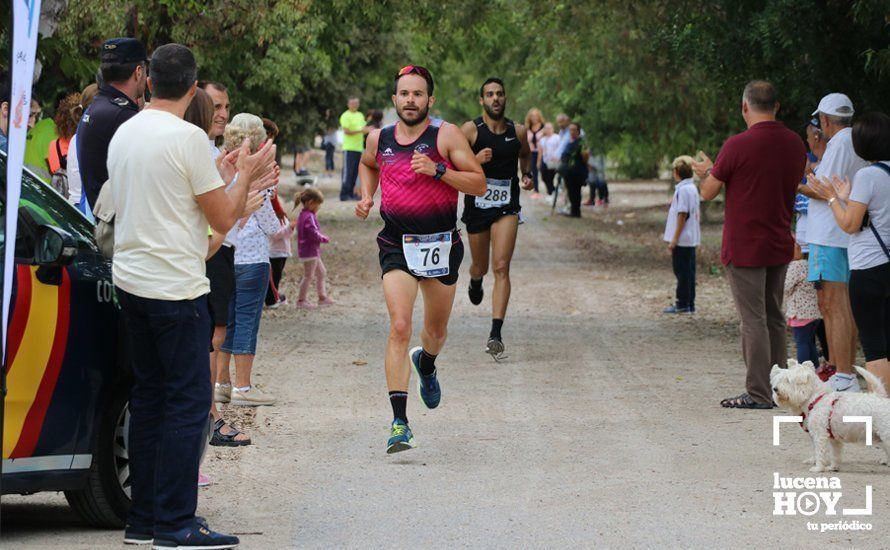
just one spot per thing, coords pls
(800, 390)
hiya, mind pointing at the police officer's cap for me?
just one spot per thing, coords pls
(123, 50)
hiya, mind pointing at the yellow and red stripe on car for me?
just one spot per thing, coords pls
(38, 334)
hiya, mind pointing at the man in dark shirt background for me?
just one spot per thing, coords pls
(124, 72)
(760, 168)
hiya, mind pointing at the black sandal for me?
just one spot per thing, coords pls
(743, 401)
(220, 439)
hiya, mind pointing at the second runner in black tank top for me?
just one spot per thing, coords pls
(502, 195)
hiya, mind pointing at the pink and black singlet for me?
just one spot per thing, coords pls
(413, 203)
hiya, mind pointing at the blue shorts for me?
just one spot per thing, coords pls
(828, 263)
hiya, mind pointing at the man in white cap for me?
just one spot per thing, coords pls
(828, 266)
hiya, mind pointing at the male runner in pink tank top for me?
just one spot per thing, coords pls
(420, 165)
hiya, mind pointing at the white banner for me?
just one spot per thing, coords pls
(25, 18)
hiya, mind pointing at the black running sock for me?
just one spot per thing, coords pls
(475, 284)
(399, 402)
(496, 325)
(427, 363)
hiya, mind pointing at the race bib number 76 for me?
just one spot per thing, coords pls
(427, 255)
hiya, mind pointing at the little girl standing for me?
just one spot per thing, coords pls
(802, 309)
(309, 240)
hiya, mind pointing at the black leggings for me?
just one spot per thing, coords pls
(574, 183)
(277, 269)
(870, 300)
(547, 175)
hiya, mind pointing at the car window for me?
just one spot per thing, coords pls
(48, 207)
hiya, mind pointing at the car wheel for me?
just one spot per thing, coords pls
(106, 498)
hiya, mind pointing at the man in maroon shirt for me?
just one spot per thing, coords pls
(760, 168)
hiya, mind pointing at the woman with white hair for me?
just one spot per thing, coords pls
(251, 276)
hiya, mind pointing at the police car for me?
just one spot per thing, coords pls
(65, 420)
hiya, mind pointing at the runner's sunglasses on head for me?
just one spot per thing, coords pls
(422, 72)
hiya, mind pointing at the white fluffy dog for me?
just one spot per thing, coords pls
(800, 390)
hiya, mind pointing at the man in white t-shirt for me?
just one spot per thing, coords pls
(166, 190)
(829, 267)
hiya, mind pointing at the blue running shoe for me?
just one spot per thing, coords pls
(400, 437)
(196, 537)
(427, 386)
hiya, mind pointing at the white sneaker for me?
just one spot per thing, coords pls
(844, 382)
(222, 393)
(251, 398)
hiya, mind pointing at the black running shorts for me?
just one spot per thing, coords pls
(482, 220)
(392, 257)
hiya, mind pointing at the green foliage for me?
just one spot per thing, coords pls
(292, 61)
(647, 80)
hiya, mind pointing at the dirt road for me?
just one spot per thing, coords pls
(603, 428)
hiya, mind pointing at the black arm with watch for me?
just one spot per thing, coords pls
(440, 170)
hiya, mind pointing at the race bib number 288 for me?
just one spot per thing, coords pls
(427, 255)
(497, 194)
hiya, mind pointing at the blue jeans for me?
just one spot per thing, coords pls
(246, 308)
(351, 160)
(169, 408)
(805, 341)
(329, 150)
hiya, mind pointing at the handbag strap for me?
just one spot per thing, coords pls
(885, 168)
(63, 159)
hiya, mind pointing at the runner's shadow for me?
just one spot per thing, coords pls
(407, 462)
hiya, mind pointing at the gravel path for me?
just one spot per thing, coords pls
(602, 429)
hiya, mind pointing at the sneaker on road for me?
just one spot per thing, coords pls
(139, 537)
(475, 294)
(252, 397)
(844, 382)
(427, 386)
(495, 348)
(222, 393)
(675, 309)
(203, 481)
(196, 537)
(400, 438)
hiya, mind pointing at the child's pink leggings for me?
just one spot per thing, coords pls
(313, 269)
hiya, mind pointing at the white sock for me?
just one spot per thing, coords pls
(244, 388)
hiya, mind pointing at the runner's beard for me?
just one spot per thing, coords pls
(421, 116)
(493, 115)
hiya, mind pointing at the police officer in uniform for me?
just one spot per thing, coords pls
(492, 221)
(124, 72)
